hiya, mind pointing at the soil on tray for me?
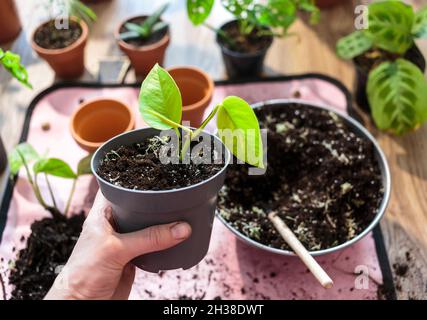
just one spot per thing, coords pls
(321, 179)
(138, 167)
(154, 38)
(251, 43)
(49, 37)
(48, 248)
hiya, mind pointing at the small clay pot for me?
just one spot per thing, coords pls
(3, 157)
(10, 25)
(143, 58)
(240, 64)
(68, 62)
(413, 54)
(97, 121)
(137, 209)
(196, 88)
(323, 4)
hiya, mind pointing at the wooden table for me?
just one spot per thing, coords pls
(405, 224)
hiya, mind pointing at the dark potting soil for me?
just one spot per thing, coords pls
(139, 42)
(245, 43)
(48, 247)
(49, 37)
(321, 179)
(138, 167)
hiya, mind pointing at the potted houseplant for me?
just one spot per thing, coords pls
(10, 25)
(62, 43)
(389, 67)
(144, 40)
(12, 63)
(33, 272)
(155, 175)
(245, 40)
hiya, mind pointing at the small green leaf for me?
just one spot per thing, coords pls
(22, 150)
(419, 28)
(397, 93)
(154, 18)
(133, 27)
(12, 63)
(199, 10)
(55, 167)
(390, 25)
(83, 166)
(310, 7)
(353, 45)
(239, 130)
(277, 14)
(78, 9)
(160, 95)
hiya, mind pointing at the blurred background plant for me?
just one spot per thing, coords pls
(12, 63)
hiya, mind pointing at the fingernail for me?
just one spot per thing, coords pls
(180, 231)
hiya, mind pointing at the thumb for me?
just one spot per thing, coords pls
(153, 239)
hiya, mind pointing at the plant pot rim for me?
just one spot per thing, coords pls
(241, 54)
(165, 39)
(93, 165)
(208, 79)
(75, 44)
(382, 162)
(91, 144)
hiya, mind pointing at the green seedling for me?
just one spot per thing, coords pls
(397, 89)
(24, 155)
(274, 17)
(12, 63)
(74, 8)
(160, 104)
(150, 26)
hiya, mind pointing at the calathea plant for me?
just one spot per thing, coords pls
(271, 17)
(150, 26)
(12, 63)
(36, 165)
(396, 89)
(161, 108)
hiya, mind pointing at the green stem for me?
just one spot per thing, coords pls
(51, 192)
(186, 146)
(173, 124)
(178, 134)
(230, 41)
(70, 197)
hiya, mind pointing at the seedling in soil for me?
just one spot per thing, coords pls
(12, 63)
(160, 105)
(74, 8)
(150, 26)
(23, 155)
(397, 89)
(271, 18)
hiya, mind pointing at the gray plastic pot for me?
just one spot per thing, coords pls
(135, 209)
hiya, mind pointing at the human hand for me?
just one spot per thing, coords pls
(99, 267)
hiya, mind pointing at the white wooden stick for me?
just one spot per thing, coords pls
(300, 250)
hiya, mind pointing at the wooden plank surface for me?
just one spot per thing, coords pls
(405, 224)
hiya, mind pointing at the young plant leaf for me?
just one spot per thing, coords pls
(80, 10)
(390, 25)
(278, 14)
(160, 95)
(54, 167)
(83, 166)
(419, 28)
(136, 28)
(12, 63)
(353, 45)
(239, 130)
(310, 7)
(397, 93)
(199, 10)
(154, 18)
(22, 150)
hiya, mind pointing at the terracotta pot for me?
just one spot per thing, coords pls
(97, 121)
(10, 25)
(145, 57)
(68, 63)
(196, 91)
(327, 3)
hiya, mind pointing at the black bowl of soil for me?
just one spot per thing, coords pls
(326, 178)
(144, 191)
(371, 59)
(245, 58)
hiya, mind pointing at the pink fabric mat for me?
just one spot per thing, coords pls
(232, 269)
